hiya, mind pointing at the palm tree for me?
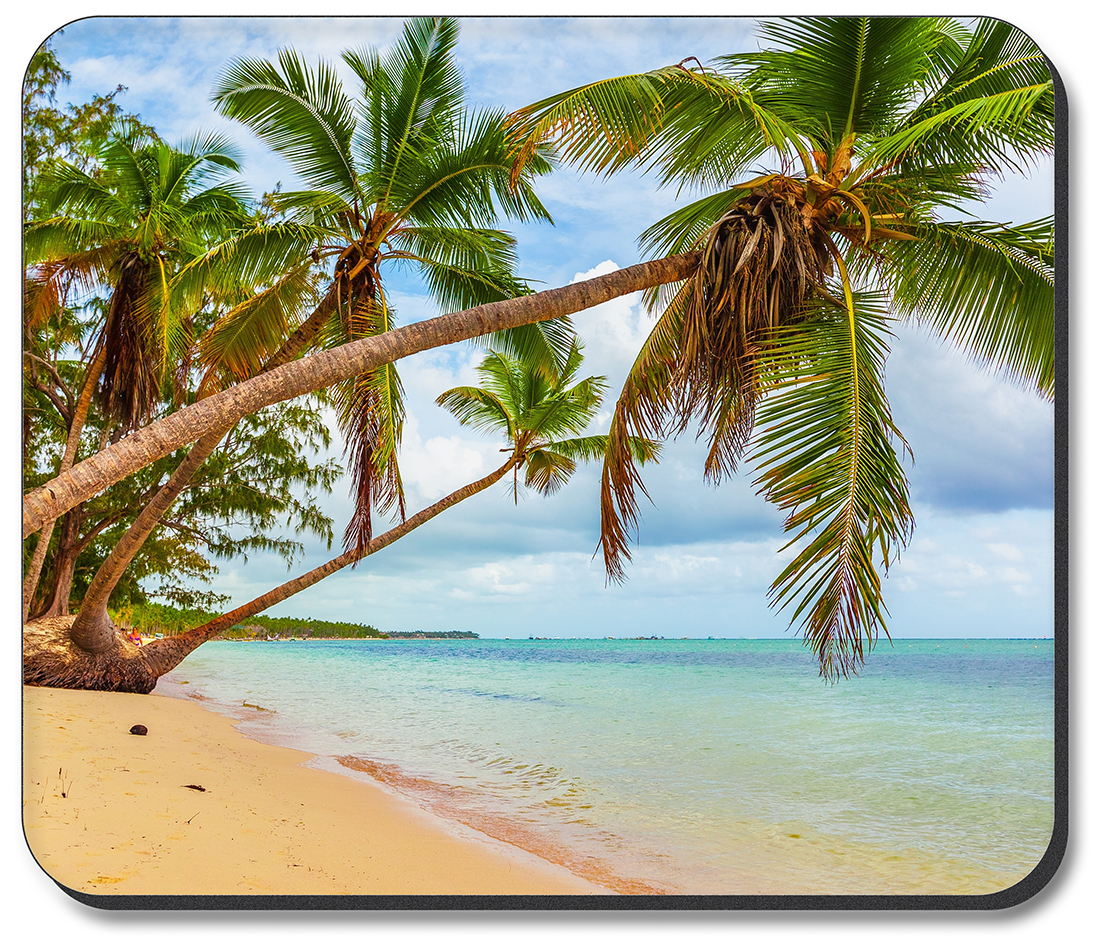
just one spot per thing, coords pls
(320, 370)
(401, 173)
(541, 416)
(146, 210)
(182, 247)
(404, 174)
(893, 123)
(835, 166)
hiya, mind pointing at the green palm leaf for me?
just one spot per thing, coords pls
(469, 175)
(236, 346)
(832, 76)
(301, 113)
(695, 128)
(478, 408)
(402, 173)
(536, 410)
(987, 65)
(986, 287)
(824, 454)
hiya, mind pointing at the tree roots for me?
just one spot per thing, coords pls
(52, 659)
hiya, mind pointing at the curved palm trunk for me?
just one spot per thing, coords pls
(93, 629)
(163, 655)
(76, 428)
(68, 549)
(222, 410)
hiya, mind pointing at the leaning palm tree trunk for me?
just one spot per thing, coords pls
(320, 370)
(163, 655)
(76, 428)
(93, 630)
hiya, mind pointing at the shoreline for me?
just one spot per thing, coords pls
(197, 807)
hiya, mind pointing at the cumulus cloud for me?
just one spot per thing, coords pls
(980, 442)
(440, 465)
(980, 563)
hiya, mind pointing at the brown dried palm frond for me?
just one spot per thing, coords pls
(760, 262)
(131, 380)
(647, 400)
(43, 296)
(370, 406)
(47, 284)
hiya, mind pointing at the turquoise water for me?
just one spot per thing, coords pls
(690, 766)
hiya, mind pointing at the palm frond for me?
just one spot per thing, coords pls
(236, 346)
(601, 126)
(694, 127)
(832, 76)
(479, 409)
(300, 112)
(645, 405)
(986, 64)
(594, 448)
(546, 470)
(462, 267)
(545, 345)
(824, 454)
(131, 375)
(370, 408)
(990, 130)
(987, 287)
(464, 177)
(409, 96)
(71, 191)
(246, 259)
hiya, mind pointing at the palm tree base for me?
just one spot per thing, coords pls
(53, 660)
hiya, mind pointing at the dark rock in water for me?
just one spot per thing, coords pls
(139, 729)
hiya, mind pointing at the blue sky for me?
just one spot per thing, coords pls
(979, 564)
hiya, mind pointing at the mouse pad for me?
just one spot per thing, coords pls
(549, 463)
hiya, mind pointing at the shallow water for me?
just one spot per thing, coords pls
(685, 766)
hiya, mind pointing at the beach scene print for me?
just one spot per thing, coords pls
(495, 457)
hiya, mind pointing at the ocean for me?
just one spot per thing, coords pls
(683, 766)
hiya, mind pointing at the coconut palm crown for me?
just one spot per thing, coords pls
(542, 415)
(132, 223)
(400, 173)
(840, 167)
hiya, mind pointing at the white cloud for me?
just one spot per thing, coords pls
(441, 464)
(979, 443)
(1007, 551)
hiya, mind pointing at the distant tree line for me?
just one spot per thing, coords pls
(151, 618)
(427, 634)
(314, 628)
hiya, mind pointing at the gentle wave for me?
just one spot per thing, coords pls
(694, 766)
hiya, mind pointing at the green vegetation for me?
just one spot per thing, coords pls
(531, 405)
(113, 336)
(449, 634)
(157, 291)
(401, 173)
(880, 133)
(309, 628)
(152, 618)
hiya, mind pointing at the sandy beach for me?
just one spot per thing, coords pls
(195, 807)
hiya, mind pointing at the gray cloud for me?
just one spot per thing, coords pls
(980, 442)
(706, 556)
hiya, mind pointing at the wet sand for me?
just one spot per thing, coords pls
(109, 812)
